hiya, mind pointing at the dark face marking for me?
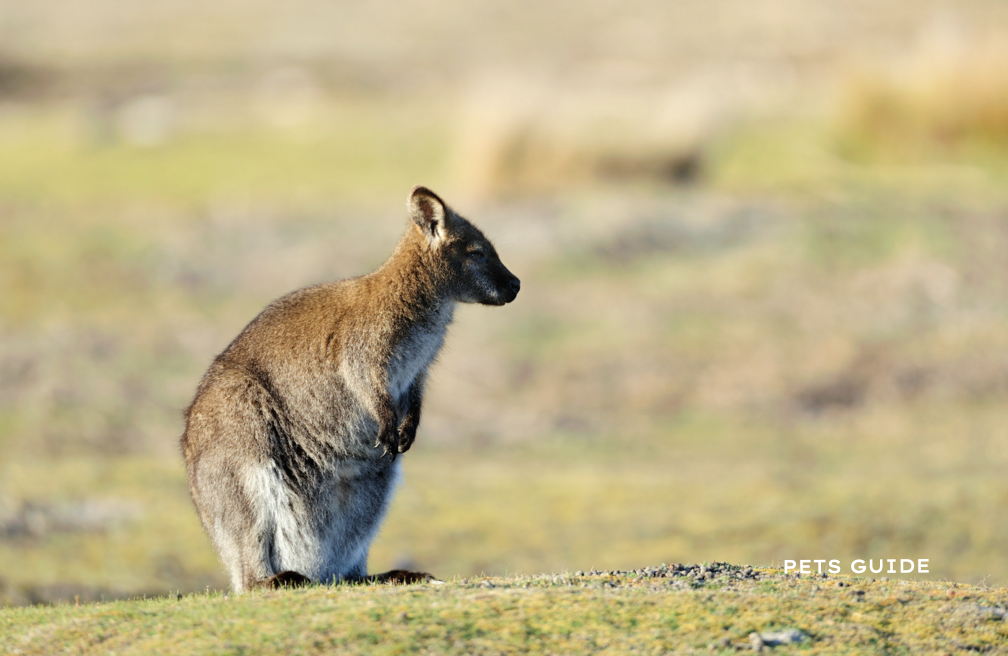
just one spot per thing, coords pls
(477, 273)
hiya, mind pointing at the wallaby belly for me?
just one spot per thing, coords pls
(325, 534)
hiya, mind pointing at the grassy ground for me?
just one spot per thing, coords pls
(653, 610)
(553, 506)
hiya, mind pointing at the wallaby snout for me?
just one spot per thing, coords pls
(515, 286)
(508, 287)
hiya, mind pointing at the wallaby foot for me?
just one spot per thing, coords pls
(288, 579)
(402, 577)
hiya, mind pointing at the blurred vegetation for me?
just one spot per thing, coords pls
(949, 101)
(764, 313)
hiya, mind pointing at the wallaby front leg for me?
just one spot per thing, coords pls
(372, 387)
(411, 417)
(385, 413)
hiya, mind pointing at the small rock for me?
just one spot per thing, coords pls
(785, 637)
(579, 573)
(977, 614)
(755, 641)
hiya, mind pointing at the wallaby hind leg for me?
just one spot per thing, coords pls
(240, 535)
(288, 579)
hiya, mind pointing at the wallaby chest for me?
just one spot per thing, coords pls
(418, 348)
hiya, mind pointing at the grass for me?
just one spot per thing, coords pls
(624, 612)
(60, 156)
(694, 491)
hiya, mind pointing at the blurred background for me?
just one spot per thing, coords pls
(763, 249)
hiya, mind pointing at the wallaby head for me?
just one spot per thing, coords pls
(466, 263)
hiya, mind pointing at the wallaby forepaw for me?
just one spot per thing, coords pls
(388, 442)
(407, 433)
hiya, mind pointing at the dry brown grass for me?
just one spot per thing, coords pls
(948, 92)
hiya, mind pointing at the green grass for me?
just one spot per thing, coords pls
(54, 156)
(607, 613)
(695, 491)
(819, 157)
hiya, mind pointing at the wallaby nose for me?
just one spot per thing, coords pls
(515, 285)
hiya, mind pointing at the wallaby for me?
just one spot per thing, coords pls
(291, 440)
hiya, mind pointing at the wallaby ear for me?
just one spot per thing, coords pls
(429, 213)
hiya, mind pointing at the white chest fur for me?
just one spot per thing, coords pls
(417, 351)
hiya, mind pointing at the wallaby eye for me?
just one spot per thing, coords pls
(477, 254)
